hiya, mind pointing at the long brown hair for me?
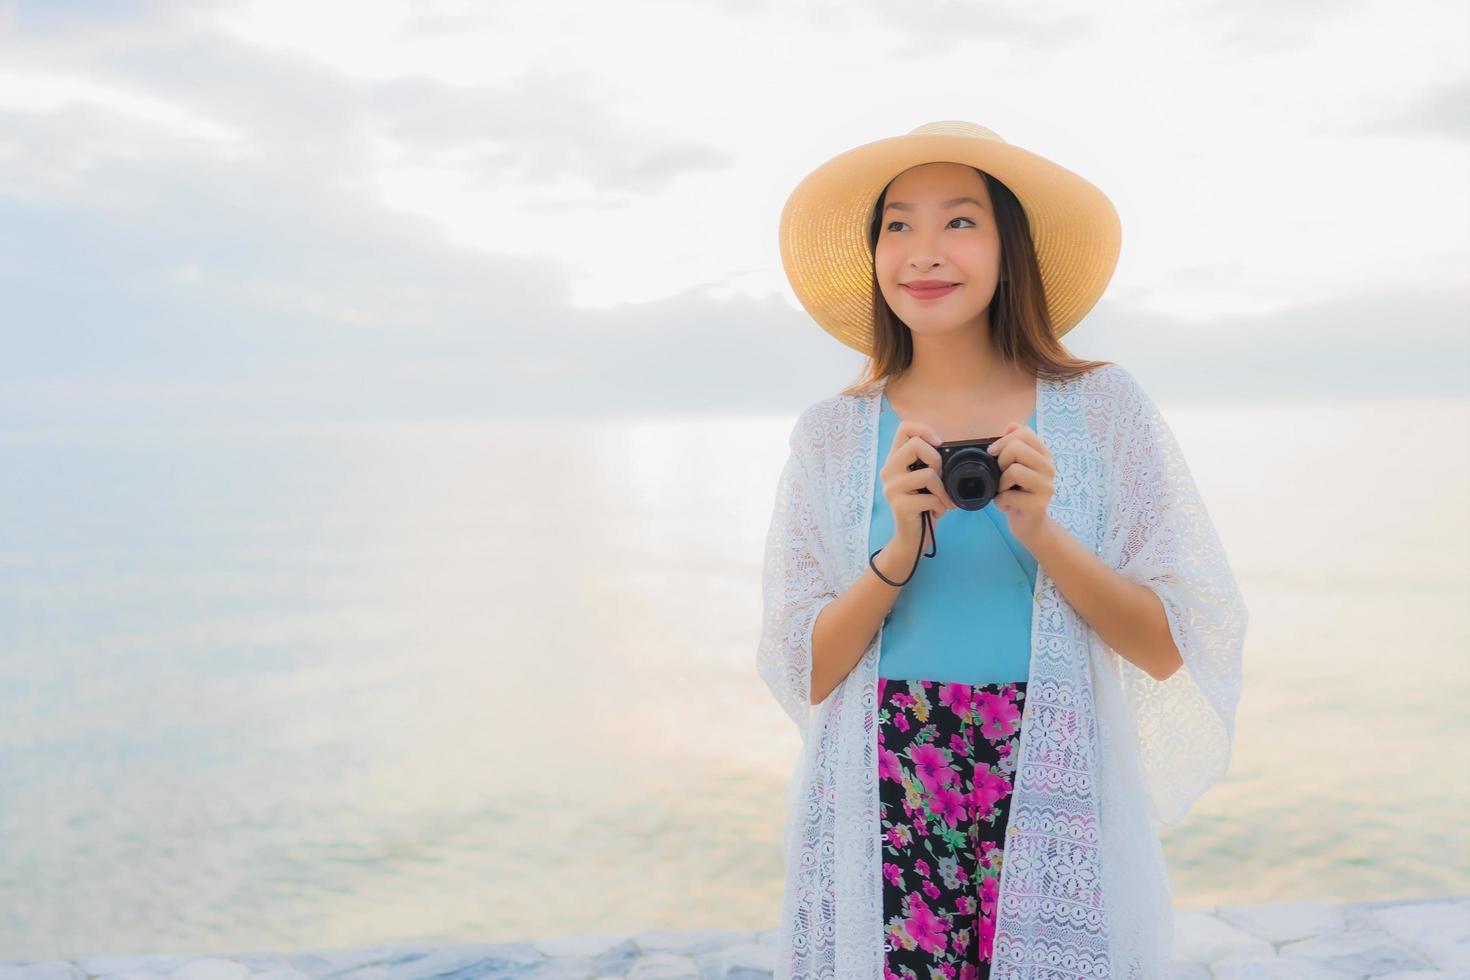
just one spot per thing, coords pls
(1020, 325)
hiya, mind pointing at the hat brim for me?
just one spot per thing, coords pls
(823, 232)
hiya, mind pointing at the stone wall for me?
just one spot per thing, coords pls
(1397, 940)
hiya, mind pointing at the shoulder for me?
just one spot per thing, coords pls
(822, 421)
(1111, 407)
(1111, 378)
(1112, 390)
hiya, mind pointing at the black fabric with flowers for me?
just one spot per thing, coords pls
(946, 766)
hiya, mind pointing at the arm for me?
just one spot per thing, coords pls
(1158, 535)
(1128, 616)
(812, 636)
(848, 623)
(795, 588)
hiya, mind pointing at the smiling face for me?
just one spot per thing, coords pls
(927, 234)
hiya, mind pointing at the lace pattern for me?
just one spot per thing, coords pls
(1103, 746)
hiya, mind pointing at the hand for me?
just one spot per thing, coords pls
(914, 442)
(1025, 462)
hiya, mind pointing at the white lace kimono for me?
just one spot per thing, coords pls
(1104, 748)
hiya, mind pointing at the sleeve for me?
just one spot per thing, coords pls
(794, 587)
(1159, 534)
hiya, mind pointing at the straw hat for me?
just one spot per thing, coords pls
(824, 225)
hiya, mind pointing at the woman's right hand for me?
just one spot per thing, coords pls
(914, 441)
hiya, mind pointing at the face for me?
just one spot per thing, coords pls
(922, 237)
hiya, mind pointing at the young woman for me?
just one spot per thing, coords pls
(989, 729)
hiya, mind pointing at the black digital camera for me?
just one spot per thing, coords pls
(969, 473)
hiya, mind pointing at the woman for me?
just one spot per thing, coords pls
(987, 729)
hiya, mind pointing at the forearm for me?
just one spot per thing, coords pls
(847, 624)
(1128, 616)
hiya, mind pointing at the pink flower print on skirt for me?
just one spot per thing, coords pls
(946, 758)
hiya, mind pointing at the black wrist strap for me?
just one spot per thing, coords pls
(927, 528)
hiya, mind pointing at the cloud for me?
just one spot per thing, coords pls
(545, 128)
(1252, 29)
(1443, 110)
(1383, 343)
(237, 258)
(314, 307)
(934, 27)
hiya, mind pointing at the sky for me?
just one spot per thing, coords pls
(217, 211)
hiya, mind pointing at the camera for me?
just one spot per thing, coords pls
(969, 473)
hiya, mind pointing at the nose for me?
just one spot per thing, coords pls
(925, 254)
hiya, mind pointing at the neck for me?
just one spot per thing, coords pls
(955, 366)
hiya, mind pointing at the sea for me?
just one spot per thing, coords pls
(285, 685)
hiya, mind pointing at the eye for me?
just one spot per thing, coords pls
(951, 221)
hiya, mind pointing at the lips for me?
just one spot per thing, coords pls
(930, 290)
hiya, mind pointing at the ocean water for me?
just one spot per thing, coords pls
(285, 686)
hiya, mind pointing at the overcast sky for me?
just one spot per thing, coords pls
(413, 209)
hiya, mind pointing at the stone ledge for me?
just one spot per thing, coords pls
(1398, 940)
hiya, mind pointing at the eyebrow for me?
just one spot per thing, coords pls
(952, 202)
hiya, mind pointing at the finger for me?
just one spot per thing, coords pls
(1017, 438)
(917, 503)
(1015, 500)
(1028, 454)
(910, 429)
(919, 479)
(997, 447)
(911, 502)
(900, 436)
(911, 446)
(915, 454)
(896, 454)
(1019, 475)
(924, 452)
(936, 487)
(924, 479)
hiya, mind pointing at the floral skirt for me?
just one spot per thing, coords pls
(946, 764)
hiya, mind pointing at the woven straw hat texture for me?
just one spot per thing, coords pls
(824, 225)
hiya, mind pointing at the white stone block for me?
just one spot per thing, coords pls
(211, 968)
(1276, 968)
(41, 970)
(1286, 921)
(590, 946)
(738, 961)
(1439, 930)
(564, 968)
(1365, 954)
(155, 964)
(688, 942)
(664, 966)
(1200, 937)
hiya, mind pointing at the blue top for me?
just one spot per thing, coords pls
(965, 616)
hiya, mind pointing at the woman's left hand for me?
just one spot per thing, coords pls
(1025, 462)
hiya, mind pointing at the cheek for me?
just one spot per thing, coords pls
(884, 259)
(886, 268)
(982, 256)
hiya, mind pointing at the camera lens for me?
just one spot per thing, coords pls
(971, 479)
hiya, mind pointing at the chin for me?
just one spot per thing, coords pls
(932, 329)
